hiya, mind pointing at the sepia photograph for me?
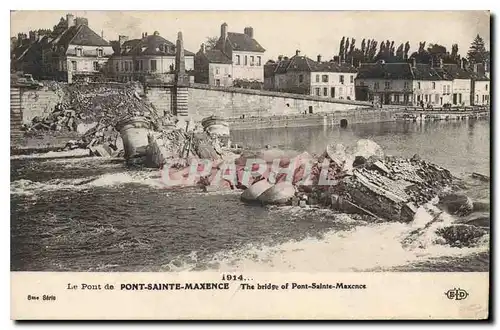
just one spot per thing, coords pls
(250, 141)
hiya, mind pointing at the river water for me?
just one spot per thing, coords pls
(94, 214)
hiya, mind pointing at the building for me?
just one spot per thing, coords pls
(149, 56)
(75, 52)
(404, 83)
(213, 67)
(245, 53)
(302, 75)
(480, 85)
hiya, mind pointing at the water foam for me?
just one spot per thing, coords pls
(371, 247)
(28, 187)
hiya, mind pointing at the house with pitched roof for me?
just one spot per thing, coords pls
(74, 51)
(245, 53)
(213, 67)
(149, 56)
(403, 83)
(480, 84)
(302, 75)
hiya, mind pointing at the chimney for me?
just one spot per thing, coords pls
(20, 38)
(223, 35)
(156, 33)
(297, 52)
(122, 40)
(414, 62)
(70, 20)
(249, 31)
(285, 58)
(339, 59)
(145, 34)
(203, 49)
(319, 58)
(280, 58)
(462, 64)
(441, 63)
(32, 36)
(81, 21)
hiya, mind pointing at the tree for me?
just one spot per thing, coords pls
(342, 47)
(346, 49)
(373, 51)
(211, 42)
(407, 49)
(400, 52)
(477, 52)
(363, 46)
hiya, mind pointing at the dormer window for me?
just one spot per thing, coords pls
(99, 52)
(79, 51)
(161, 48)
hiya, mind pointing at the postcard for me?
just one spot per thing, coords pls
(250, 165)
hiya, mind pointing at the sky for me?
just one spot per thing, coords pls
(281, 32)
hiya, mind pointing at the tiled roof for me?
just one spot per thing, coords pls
(80, 35)
(19, 52)
(385, 71)
(151, 45)
(425, 72)
(454, 71)
(216, 56)
(241, 42)
(304, 63)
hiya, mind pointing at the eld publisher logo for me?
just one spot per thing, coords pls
(457, 294)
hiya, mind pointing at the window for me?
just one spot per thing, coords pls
(418, 85)
(301, 78)
(426, 98)
(341, 91)
(140, 65)
(317, 91)
(396, 98)
(332, 91)
(237, 59)
(78, 51)
(387, 85)
(126, 65)
(99, 52)
(352, 79)
(73, 65)
(324, 78)
(376, 85)
(325, 91)
(341, 79)
(217, 70)
(407, 85)
(153, 65)
(486, 86)
(123, 66)
(136, 65)
(350, 90)
(317, 78)
(433, 85)
(436, 98)
(418, 98)
(217, 82)
(444, 89)
(117, 66)
(259, 63)
(252, 61)
(246, 60)
(96, 66)
(448, 89)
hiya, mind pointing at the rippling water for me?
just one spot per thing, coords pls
(92, 214)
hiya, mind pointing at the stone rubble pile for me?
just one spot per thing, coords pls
(93, 110)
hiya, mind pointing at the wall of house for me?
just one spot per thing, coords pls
(431, 92)
(235, 102)
(461, 87)
(249, 72)
(343, 91)
(291, 82)
(163, 64)
(83, 64)
(396, 91)
(89, 50)
(481, 92)
(221, 72)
